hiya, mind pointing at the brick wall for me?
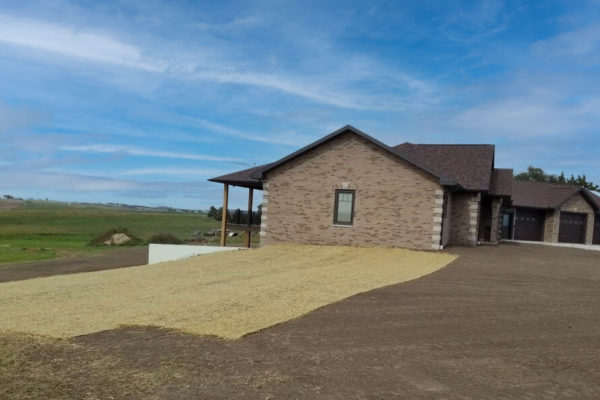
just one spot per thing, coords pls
(465, 217)
(396, 204)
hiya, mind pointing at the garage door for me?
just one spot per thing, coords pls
(572, 228)
(529, 224)
(597, 230)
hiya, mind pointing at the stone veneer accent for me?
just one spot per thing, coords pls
(447, 223)
(577, 204)
(438, 210)
(551, 223)
(396, 203)
(465, 218)
(496, 230)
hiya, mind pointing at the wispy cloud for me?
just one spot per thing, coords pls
(102, 47)
(189, 171)
(67, 41)
(136, 151)
(542, 112)
(15, 118)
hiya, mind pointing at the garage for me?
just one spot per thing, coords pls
(597, 230)
(572, 228)
(529, 224)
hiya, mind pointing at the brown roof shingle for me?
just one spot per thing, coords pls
(470, 165)
(242, 178)
(501, 182)
(547, 195)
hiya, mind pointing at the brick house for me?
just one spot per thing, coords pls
(350, 189)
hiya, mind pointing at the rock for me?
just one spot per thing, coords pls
(117, 239)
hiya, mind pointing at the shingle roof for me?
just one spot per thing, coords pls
(464, 165)
(501, 182)
(547, 195)
(595, 199)
(242, 178)
(443, 178)
(470, 165)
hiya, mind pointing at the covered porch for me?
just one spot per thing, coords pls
(248, 220)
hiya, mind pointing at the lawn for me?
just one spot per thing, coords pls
(225, 294)
(38, 230)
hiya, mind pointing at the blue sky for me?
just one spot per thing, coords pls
(141, 102)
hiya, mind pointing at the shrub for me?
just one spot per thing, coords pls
(164, 238)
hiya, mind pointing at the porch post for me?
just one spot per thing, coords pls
(224, 214)
(249, 232)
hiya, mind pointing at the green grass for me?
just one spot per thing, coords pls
(43, 230)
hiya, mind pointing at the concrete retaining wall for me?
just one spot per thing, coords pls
(169, 252)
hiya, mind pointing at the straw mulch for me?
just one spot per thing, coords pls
(226, 294)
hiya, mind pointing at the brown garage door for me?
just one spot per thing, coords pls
(597, 230)
(529, 224)
(572, 228)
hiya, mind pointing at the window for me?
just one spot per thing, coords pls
(343, 213)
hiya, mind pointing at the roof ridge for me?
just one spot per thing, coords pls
(562, 185)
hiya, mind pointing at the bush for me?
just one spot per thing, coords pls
(164, 238)
(99, 241)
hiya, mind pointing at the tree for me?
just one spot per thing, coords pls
(538, 175)
(215, 213)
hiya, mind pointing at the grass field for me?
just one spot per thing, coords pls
(224, 294)
(38, 230)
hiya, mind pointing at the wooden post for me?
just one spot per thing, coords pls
(224, 214)
(249, 232)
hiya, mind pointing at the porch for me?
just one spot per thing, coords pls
(247, 220)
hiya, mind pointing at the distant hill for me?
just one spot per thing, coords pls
(10, 202)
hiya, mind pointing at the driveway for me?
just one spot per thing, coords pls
(506, 322)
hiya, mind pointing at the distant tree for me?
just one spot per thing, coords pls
(538, 175)
(215, 213)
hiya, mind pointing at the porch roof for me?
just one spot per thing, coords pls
(243, 178)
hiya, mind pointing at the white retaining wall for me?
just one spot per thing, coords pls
(169, 252)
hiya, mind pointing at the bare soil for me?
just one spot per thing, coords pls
(512, 322)
(108, 259)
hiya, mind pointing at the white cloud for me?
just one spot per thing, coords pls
(68, 41)
(136, 151)
(189, 171)
(12, 118)
(583, 42)
(216, 61)
(279, 138)
(533, 115)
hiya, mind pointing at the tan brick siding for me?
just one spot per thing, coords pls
(396, 204)
(465, 218)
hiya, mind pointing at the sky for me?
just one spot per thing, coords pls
(141, 102)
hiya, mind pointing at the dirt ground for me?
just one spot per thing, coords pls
(109, 259)
(507, 322)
